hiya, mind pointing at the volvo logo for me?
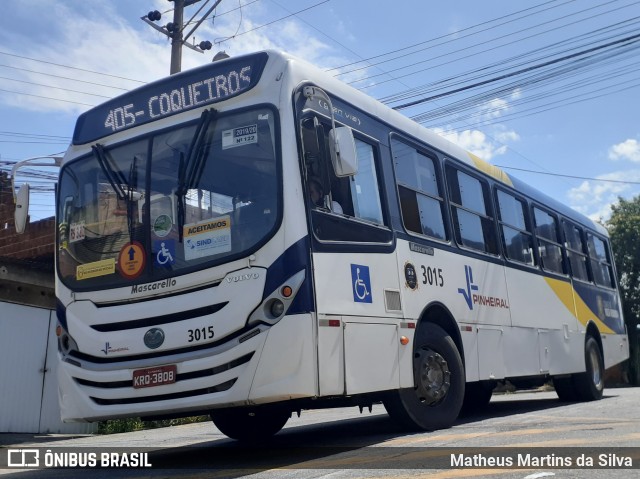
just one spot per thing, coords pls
(154, 338)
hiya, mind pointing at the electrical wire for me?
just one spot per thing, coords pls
(39, 60)
(282, 18)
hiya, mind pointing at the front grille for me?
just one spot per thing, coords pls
(157, 320)
(164, 397)
(180, 377)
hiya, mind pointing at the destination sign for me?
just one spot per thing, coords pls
(178, 93)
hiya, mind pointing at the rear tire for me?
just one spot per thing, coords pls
(250, 424)
(435, 401)
(589, 385)
(586, 386)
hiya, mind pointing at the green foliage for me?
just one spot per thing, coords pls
(624, 229)
(115, 426)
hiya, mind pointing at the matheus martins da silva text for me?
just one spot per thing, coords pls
(548, 460)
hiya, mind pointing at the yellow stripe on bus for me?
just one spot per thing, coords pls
(490, 169)
(574, 303)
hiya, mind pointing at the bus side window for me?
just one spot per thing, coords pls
(549, 242)
(600, 261)
(517, 240)
(471, 211)
(576, 251)
(421, 199)
(364, 188)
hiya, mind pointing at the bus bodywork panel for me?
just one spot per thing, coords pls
(277, 364)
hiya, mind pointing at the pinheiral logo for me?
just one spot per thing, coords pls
(154, 338)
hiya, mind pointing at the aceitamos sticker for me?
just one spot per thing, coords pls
(207, 238)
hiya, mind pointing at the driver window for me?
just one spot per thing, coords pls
(357, 196)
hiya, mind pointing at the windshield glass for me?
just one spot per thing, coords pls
(170, 203)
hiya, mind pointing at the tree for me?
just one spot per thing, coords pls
(624, 229)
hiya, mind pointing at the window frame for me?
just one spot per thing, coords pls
(570, 250)
(527, 224)
(454, 206)
(608, 263)
(319, 218)
(558, 243)
(440, 185)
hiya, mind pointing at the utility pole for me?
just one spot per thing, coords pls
(175, 30)
(176, 36)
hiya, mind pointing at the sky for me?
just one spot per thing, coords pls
(548, 89)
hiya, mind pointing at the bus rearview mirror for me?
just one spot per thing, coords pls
(343, 151)
(22, 208)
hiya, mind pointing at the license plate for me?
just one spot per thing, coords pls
(158, 376)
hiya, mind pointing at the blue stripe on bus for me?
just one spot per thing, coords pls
(294, 259)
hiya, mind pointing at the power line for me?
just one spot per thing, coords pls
(32, 135)
(466, 48)
(45, 97)
(569, 176)
(63, 77)
(280, 19)
(70, 67)
(55, 87)
(632, 38)
(453, 34)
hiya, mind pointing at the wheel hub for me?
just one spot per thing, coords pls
(596, 375)
(432, 376)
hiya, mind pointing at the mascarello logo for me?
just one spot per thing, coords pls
(466, 293)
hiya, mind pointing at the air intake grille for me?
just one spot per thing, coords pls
(392, 300)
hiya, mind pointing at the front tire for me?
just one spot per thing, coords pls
(250, 424)
(477, 396)
(435, 400)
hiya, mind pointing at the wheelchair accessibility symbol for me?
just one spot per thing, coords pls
(165, 252)
(361, 283)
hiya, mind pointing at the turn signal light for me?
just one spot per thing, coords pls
(404, 340)
(286, 291)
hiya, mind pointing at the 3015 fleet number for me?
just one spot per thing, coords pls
(200, 334)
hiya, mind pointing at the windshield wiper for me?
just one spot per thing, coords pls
(133, 180)
(191, 165)
(114, 176)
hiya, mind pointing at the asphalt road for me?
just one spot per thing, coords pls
(522, 435)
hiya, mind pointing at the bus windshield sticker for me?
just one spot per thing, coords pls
(76, 232)
(162, 225)
(95, 269)
(361, 283)
(164, 252)
(244, 135)
(131, 260)
(207, 238)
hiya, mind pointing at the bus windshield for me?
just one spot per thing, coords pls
(169, 203)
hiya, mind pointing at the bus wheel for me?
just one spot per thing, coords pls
(249, 424)
(565, 389)
(589, 385)
(477, 396)
(436, 399)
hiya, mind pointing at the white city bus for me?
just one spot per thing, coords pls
(195, 274)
